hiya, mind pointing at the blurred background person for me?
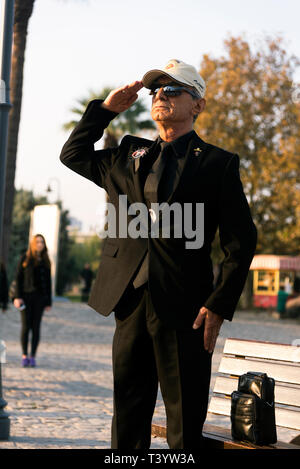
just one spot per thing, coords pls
(3, 287)
(282, 297)
(87, 275)
(32, 294)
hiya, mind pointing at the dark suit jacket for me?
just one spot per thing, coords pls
(180, 279)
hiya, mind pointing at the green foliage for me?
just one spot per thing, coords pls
(86, 252)
(66, 262)
(81, 253)
(250, 110)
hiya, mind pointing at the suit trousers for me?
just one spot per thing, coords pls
(147, 352)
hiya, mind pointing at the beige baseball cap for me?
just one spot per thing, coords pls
(180, 72)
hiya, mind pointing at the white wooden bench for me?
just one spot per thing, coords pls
(279, 361)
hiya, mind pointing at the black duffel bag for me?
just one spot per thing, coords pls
(253, 409)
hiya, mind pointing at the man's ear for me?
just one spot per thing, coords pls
(199, 105)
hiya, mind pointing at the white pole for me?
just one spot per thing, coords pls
(6, 39)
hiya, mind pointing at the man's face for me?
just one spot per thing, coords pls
(173, 108)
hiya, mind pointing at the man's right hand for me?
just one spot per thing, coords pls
(122, 98)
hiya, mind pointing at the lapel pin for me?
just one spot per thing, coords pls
(197, 151)
(139, 153)
(136, 155)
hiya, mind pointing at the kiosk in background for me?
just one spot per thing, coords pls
(270, 272)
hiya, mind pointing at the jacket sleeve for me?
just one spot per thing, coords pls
(3, 288)
(238, 237)
(49, 288)
(19, 280)
(78, 152)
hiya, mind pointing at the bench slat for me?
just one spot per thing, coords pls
(280, 372)
(283, 394)
(284, 417)
(212, 432)
(266, 350)
(219, 438)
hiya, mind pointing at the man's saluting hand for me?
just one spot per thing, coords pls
(122, 98)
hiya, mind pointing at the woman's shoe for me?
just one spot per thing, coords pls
(25, 361)
(32, 362)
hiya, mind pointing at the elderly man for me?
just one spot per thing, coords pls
(168, 312)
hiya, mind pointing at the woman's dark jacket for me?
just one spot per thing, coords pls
(33, 278)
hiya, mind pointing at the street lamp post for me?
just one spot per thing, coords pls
(6, 38)
(4, 419)
(49, 189)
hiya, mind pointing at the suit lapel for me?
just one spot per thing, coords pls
(135, 171)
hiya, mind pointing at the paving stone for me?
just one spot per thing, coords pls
(66, 401)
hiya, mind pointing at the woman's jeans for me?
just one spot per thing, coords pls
(31, 318)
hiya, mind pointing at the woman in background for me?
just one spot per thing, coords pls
(33, 294)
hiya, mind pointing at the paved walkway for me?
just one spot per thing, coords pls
(66, 402)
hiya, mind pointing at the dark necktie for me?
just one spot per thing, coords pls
(154, 176)
(151, 196)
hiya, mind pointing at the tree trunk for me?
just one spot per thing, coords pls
(23, 11)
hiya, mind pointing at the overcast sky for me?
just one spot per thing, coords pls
(74, 46)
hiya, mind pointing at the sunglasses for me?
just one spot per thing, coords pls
(172, 90)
